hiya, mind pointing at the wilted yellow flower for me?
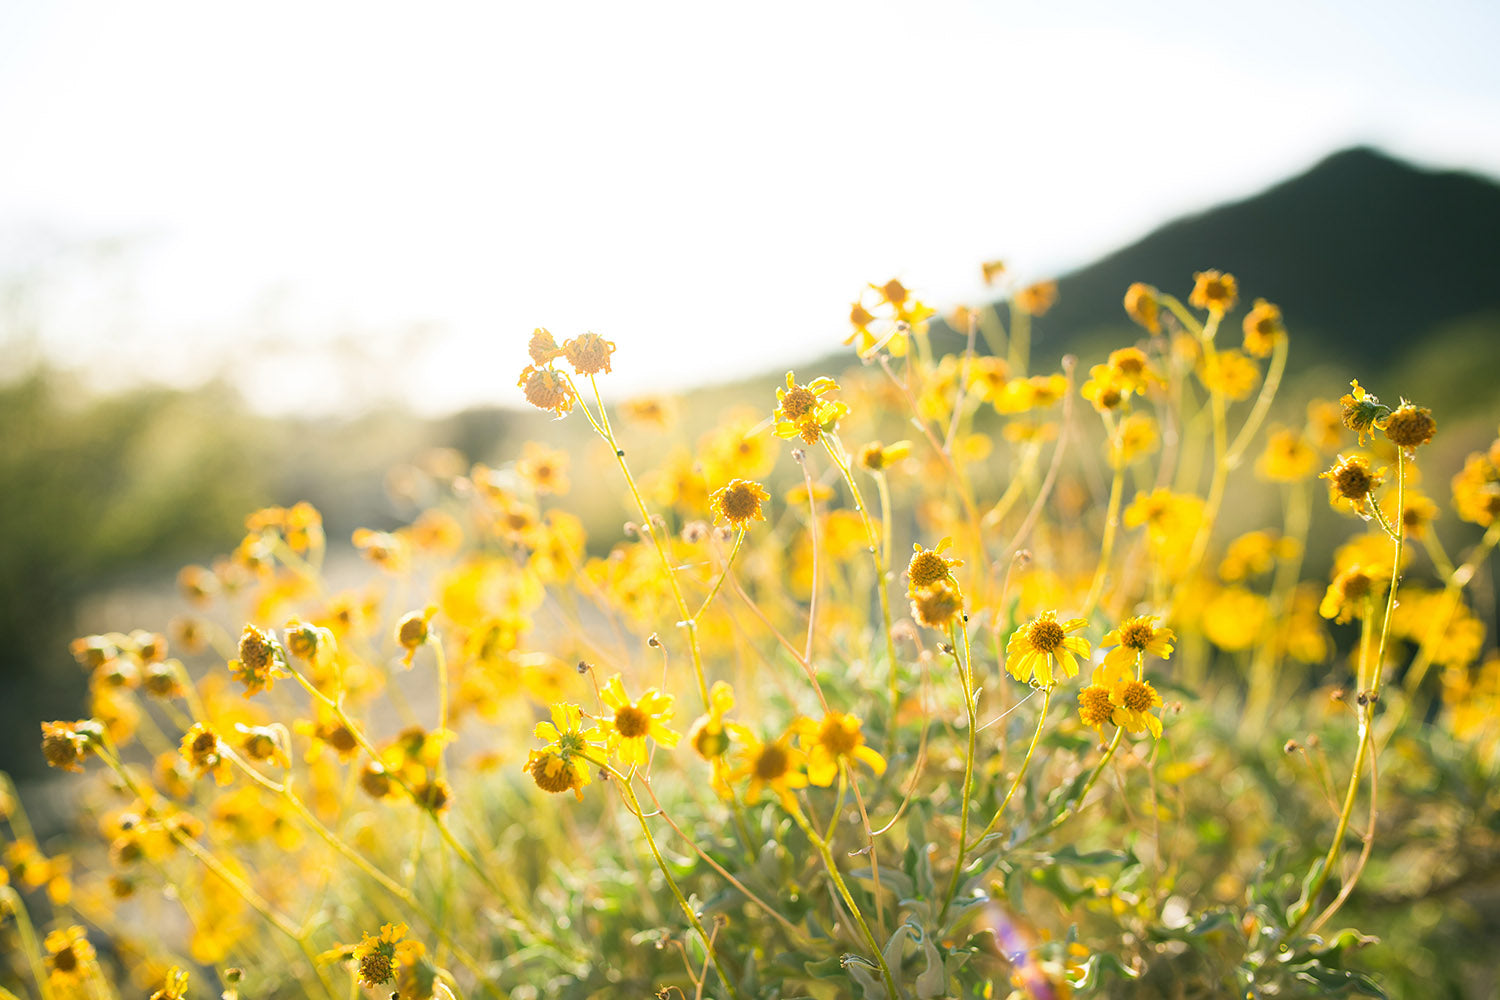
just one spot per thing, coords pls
(542, 347)
(1409, 426)
(561, 764)
(547, 389)
(1351, 481)
(588, 353)
(1362, 412)
(1042, 644)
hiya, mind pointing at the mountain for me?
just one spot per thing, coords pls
(1362, 252)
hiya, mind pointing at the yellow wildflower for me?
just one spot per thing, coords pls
(377, 960)
(1042, 644)
(68, 956)
(1214, 292)
(775, 764)
(837, 738)
(1263, 327)
(738, 503)
(634, 721)
(1141, 305)
(1135, 637)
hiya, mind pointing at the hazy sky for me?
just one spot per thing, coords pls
(189, 186)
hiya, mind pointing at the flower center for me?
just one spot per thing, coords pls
(838, 736)
(772, 762)
(551, 773)
(631, 722)
(1352, 481)
(927, 568)
(1045, 635)
(799, 399)
(1094, 706)
(65, 960)
(1137, 696)
(1136, 635)
(375, 968)
(740, 503)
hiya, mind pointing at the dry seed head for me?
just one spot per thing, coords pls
(547, 389)
(1409, 426)
(543, 347)
(588, 353)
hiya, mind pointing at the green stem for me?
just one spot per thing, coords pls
(843, 890)
(1021, 774)
(966, 679)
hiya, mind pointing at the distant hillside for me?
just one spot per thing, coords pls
(1361, 251)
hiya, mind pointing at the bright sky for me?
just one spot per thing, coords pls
(189, 187)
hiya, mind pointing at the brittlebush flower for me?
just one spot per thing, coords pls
(1349, 593)
(1141, 305)
(561, 765)
(1263, 328)
(929, 567)
(634, 722)
(542, 347)
(1037, 299)
(1214, 292)
(205, 753)
(835, 739)
(1288, 457)
(1134, 638)
(1135, 437)
(68, 955)
(261, 661)
(174, 987)
(936, 606)
(1362, 412)
(803, 412)
(378, 960)
(1229, 373)
(1094, 706)
(1042, 645)
(1351, 481)
(709, 735)
(877, 457)
(738, 503)
(546, 388)
(1133, 700)
(544, 469)
(775, 764)
(65, 744)
(414, 630)
(1410, 426)
(588, 353)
